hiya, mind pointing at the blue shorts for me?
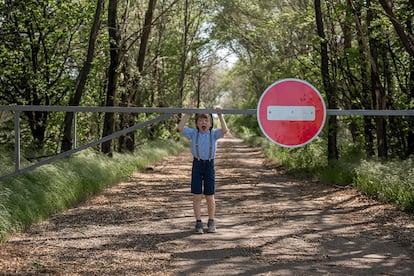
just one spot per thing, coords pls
(203, 177)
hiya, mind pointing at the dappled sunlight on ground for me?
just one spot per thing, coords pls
(268, 223)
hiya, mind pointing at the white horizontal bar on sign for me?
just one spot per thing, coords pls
(290, 113)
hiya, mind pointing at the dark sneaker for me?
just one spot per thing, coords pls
(211, 226)
(199, 227)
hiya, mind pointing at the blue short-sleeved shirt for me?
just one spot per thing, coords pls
(203, 142)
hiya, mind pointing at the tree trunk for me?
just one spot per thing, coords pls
(145, 34)
(378, 90)
(378, 96)
(127, 141)
(354, 88)
(114, 39)
(330, 94)
(81, 79)
(37, 123)
(184, 54)
(410, 135)
(365, 98)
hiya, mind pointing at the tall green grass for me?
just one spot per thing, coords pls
(392, 181)
(387, 181)
(36, 195)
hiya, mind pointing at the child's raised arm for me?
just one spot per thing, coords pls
(182, 122)
(223, 124)
(185, 118)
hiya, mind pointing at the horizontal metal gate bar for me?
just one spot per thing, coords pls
(167, 111)
(83, 147)
(172, 110)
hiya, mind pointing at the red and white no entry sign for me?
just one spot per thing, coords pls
(291, 113)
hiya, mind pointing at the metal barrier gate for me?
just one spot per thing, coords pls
(165, 114)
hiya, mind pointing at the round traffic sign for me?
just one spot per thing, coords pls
(291, 113)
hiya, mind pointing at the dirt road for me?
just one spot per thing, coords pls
(268, 223)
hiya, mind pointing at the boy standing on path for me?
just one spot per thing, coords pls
(203, 147)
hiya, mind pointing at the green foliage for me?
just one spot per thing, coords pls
(246, 125)
(337, 173)
(42, 44)
(392, 181)
(36, 195)
(43, 48)
(6, 131)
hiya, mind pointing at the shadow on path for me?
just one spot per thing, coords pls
(268, 223)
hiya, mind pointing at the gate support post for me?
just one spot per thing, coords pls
(74, 144)
(17, 141)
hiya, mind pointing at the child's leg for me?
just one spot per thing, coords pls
(196, 188)
(197, 206)
(211, 206)
(209, 189)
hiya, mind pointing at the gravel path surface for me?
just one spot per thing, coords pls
(268, 223)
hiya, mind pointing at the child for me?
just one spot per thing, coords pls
(203, 147)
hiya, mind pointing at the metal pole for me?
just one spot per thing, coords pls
(169, 110)
(74, 131)
(16, 141)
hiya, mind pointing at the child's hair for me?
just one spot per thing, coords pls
(205, 115)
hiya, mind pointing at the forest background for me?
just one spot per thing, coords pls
(135, 53)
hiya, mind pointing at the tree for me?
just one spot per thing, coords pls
(407, 40)
(163, 52)
(405, 35)
(113, 73)
(38, 56)
(82, 77)
(127, 142)
(327, 83)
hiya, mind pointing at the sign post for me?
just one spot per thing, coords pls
(291, 113)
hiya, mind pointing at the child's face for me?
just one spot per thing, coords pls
(203, 123)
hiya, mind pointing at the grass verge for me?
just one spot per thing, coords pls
(36, 195)
(387, 181)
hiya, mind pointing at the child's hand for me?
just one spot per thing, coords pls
(219, 109)
(191, 104)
